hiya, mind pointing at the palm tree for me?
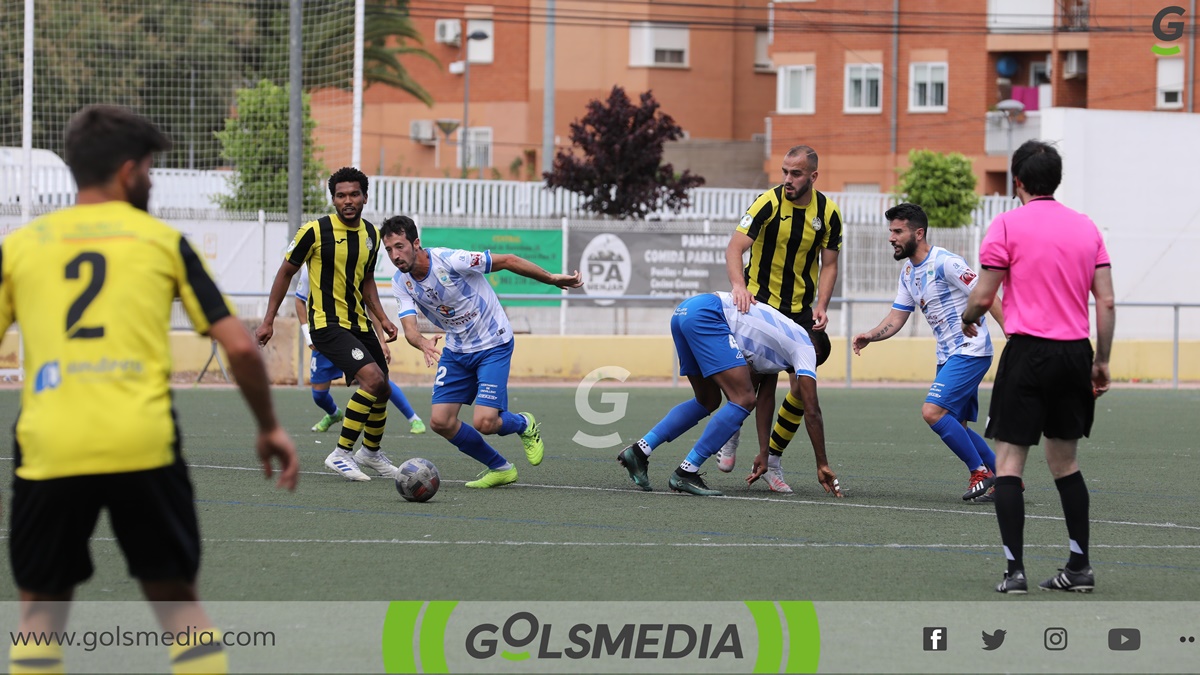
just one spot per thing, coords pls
(387, 21)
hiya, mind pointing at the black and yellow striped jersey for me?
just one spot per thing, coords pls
(784, 268)
(341, 260)
(91, 288)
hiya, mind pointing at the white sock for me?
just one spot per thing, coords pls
(688, 466)
(643, 447)
(773, 461)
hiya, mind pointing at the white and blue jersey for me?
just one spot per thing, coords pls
(940, 285)
(456, 297)
(712, 336)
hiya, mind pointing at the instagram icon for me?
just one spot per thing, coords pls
(1056, 639)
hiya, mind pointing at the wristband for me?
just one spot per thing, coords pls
(307, 337)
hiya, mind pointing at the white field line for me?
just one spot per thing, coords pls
(843, 503)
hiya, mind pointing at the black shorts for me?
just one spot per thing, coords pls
(151, 512)
(349, 350)
(1042, 387)
(820, 338)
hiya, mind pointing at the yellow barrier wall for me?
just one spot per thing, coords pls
(653, 357)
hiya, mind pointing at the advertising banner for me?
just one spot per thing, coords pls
(649, 263)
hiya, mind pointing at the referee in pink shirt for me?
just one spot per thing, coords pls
(1048, 258)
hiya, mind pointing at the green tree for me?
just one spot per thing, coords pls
(616, 163)
(943, 185)
(255, 142)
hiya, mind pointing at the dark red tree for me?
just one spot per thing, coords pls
(616, 159)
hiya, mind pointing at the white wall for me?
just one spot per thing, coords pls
(1135, 174)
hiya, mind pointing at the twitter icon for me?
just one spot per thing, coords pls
(994, 640)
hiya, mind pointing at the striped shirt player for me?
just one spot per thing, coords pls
(448, 287)
(939, 282)
(340, 251)
(723, 351)
(793, 234)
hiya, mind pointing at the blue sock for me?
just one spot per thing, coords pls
(470, 442)
(511, 423)
(324, 401)
(955, 436)
(728, 419)
(681, 418)
(401, 403)
(985, 453)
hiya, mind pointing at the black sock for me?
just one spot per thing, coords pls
(1010, 514)
(1072, 490)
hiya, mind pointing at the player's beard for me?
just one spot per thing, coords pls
(799, 194)
(906, 251)
(139, 193)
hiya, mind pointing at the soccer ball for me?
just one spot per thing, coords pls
(417, 480)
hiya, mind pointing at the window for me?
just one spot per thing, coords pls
(658, 44)
(927, 87)
(796, 91)
(1170, 84)
(762, 56)
(479, 150)
(863, 84)
(481, 51)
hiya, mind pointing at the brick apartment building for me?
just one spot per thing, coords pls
(706, 64)
(863, 81)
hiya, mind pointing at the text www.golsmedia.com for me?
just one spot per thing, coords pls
(92, 639)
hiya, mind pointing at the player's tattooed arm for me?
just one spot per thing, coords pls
(891, 324)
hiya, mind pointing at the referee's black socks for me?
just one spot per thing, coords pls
(1010, 514)
(1072, 490)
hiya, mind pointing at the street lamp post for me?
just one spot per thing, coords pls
(466, 126)
(1011, 108)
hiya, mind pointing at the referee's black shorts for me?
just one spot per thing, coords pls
(349, 350)
(153, 516)
(820, 338)
(1043, 387)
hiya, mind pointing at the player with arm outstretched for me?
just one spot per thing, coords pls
(721, 350)
(448, 287)
(321, 372)
(939, 282)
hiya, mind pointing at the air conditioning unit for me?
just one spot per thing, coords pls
(448, 32)
(422, 131)
(1074, 64)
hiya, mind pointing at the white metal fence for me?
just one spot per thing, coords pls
(198, 190)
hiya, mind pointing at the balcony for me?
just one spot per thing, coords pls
(995, 140)
(1037, 16)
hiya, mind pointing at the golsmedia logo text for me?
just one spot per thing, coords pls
(761, 636)
(523, 636)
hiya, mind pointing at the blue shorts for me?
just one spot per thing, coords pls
(956, 386)
(702, 338)
(479, 377)
(321, 370)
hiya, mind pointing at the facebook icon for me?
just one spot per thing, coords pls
(935, 639)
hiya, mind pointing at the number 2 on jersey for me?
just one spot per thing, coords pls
(99, 267)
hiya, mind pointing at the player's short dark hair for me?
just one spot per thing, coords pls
(806, 152)
(911, 213)
(401, 225)
(1039, 167)
(101, 138)
(347, 174)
